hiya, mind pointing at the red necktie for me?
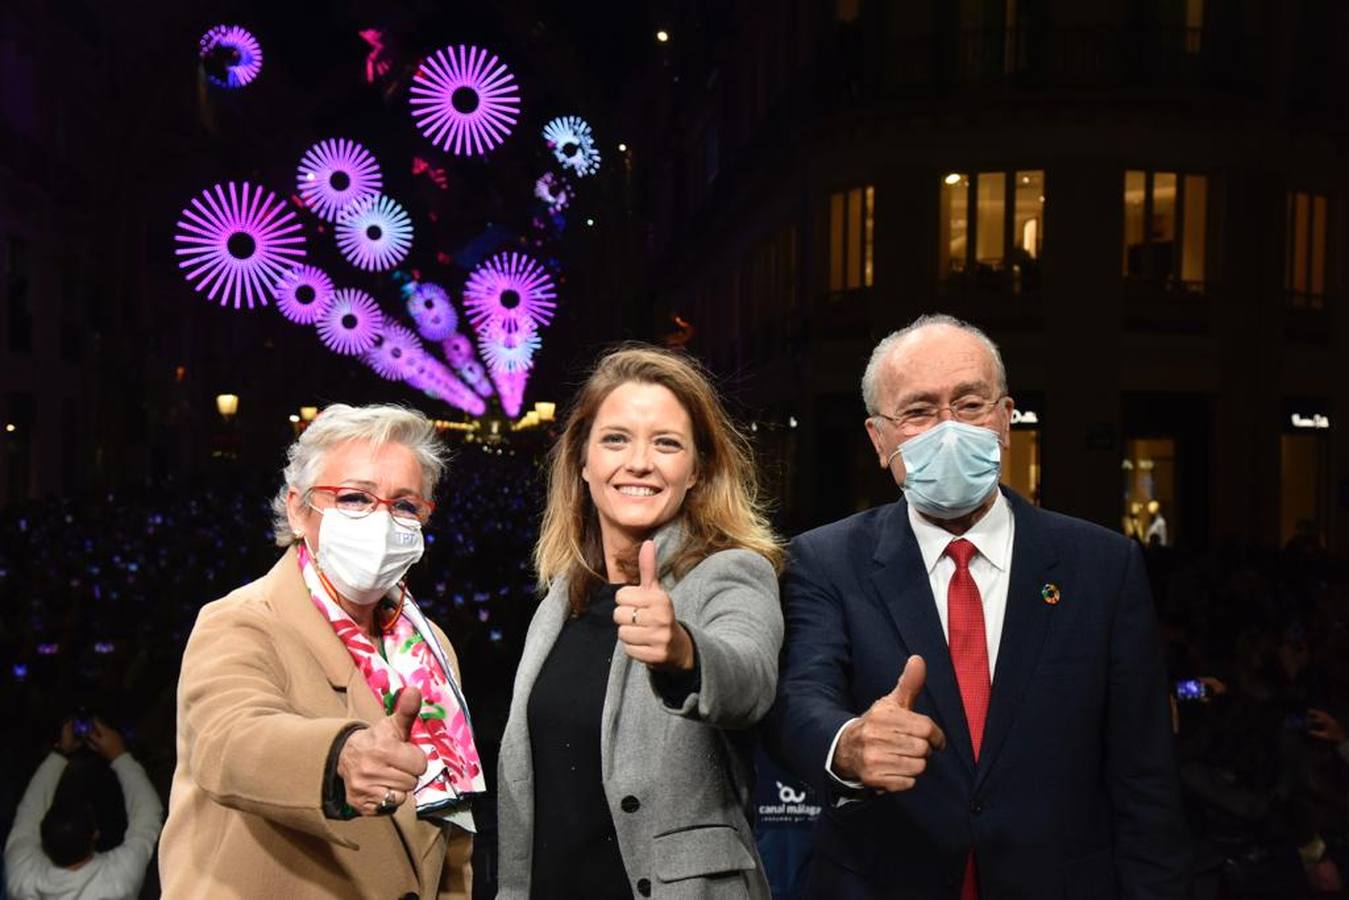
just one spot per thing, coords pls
(969, 656)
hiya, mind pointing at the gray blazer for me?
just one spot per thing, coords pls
(688, 768)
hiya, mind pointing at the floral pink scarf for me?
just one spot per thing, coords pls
(412, 657)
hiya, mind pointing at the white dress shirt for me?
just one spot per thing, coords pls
(990, 567)
(117, 874)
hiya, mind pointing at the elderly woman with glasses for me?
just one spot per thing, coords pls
(324, 746)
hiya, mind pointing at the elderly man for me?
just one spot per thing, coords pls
(974, 684)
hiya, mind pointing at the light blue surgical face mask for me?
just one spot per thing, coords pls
(950, 469)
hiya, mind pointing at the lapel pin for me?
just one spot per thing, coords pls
(1050, 594)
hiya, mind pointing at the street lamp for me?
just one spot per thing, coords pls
(227, 404)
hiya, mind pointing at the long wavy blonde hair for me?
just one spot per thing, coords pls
(723, 511)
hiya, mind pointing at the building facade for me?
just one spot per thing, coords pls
(1143, 203)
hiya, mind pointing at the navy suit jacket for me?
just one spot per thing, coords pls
(1075, 793)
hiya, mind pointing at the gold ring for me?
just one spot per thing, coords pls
(634, 615)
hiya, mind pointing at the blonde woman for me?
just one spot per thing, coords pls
(324, 745)
(625, 766)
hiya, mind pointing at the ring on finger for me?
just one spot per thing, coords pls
(634, 615)
(389, 803)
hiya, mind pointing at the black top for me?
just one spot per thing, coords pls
(575, 848)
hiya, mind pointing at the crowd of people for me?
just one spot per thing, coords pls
(102, 592)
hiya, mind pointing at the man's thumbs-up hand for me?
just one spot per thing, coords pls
(646, 620)
(887, 748)
(379, 765)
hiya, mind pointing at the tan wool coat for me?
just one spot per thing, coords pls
(266, 687)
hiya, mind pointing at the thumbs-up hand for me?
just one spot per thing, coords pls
(379, 766)
(887, 748)
(646, 620)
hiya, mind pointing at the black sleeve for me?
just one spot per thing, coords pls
(335, 804)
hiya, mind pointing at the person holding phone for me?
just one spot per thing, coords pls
(50, 853)
(626, 767)
(324, 745)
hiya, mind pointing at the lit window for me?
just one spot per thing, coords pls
(988, 256)
(1305, 267)
(852, 239)
(1166, 228)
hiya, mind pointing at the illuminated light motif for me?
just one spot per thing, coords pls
(395, 353)
(458, 349)
(230, 55)
(352, 323)
(552, 190)
(304, 294)
(475, 376)
(464, 100)
(374, 234)
(435, 173)
(511, 390)
(431, 309)
(512, 291)
(573, 144)
(237, 246)
(335, 174)
(508, 352)
(377, 62)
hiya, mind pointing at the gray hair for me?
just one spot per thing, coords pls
(871, 388)
(379, 423)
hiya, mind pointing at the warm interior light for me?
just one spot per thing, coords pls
(622, 148)
(227, 404)
(546, 410)
(953, 178)
(309, 413)
(294, 419)
(663, 36)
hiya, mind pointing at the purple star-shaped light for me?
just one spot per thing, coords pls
(304, 294)
(475, 376)
(573, 144)
(395, 353)
(511, 390)
(374, 234)
(230, 55)
(352, 323)
(430, 307)
(336, 173)
(511, 291)
(458, 349)
(508, 351)
(237, 242)
(464, 100)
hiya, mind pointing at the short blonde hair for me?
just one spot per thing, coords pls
(724, 511)
(378, 423)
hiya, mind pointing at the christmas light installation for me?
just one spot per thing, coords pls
(508, 352)
(511, 390)
(475, 376)
(374, 234)
(512, 291)
(431, 310)
(458, 349)
(230, 56)
(336, 173)
(464, 100)
(304, 294)
(552, 190)
(352, 322)
(395, 353)
(573, 144)
(236, 242)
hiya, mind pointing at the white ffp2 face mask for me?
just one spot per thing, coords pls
(365, 557)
